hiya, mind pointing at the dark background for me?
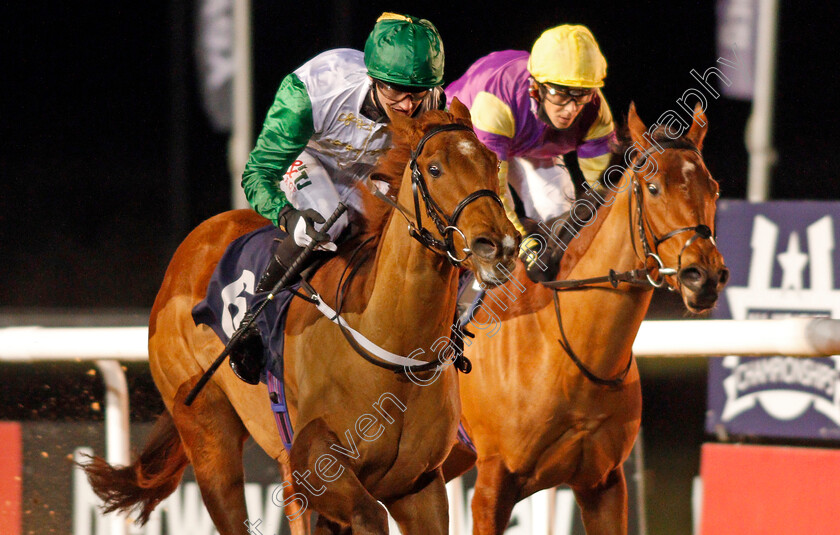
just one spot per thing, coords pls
(108, 159)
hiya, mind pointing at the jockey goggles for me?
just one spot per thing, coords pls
(399, 93)
(561, 95)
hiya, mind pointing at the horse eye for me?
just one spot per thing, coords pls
(434, 171)
(653, 189)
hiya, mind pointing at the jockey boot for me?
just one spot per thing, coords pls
(284, 255)
(247, 354)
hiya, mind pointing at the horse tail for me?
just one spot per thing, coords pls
(153, 476)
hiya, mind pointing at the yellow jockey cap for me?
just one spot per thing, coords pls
(568, 55)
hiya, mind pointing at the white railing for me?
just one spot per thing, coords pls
(801, 337)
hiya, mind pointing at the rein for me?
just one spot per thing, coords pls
(446, 227)
(401, 365)
(613, 383)
(364, 347)
(637, 277)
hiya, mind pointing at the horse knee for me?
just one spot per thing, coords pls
(312, 441)
(373, 521)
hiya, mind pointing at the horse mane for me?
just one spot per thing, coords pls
(390, 167)
(538, 295)
(376, 213)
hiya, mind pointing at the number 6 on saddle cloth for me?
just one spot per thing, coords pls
(233, 285)
(231, 293)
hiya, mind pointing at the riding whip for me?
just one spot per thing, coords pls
(293, 270)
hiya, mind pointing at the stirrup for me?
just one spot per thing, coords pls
(247, 354)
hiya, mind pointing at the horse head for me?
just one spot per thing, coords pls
(675, 198)
(450, 189)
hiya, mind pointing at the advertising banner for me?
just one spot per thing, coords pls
(769, 489)
(784, 263)
(56, 496)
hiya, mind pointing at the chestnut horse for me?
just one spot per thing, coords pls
(363, 434)
(554, 396)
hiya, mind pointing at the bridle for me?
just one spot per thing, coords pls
(446, 225)
(700, 231)
(643, 277)
(639, 277)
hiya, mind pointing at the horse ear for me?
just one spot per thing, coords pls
(459, 110)
(699, 127)
(399, 121)
(636, 126)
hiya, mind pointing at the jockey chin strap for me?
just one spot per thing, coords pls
(446, 226)
(639, 277)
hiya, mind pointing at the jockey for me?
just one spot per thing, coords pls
(531, 109)
(324, 133)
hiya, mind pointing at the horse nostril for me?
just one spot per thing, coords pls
(723, 278)
(692, 277)
(484, 247)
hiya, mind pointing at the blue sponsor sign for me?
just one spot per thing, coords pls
(784, 263)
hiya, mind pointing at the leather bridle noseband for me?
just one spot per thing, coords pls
(446, 226)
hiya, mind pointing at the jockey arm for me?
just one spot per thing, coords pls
(495, 126)
(507, 199)
(285, 133)
(594, 152)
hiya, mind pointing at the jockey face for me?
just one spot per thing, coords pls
(403, 100)
(563, 104)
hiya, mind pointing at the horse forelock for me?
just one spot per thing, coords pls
(660, 135)
(689, 168)
(624, 142)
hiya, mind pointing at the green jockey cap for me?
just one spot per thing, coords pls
(405, 51)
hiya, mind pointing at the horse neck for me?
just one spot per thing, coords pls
(612, 245)
(414, 289)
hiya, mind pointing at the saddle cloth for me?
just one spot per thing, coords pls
(230, 294)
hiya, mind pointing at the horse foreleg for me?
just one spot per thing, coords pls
(213, 437)
(294, 509)
(604, 507)
(424, 511)
(496, 492)
(337, 494)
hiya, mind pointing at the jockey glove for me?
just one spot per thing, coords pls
(540, 262)
(300, 224)
(530, 251)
